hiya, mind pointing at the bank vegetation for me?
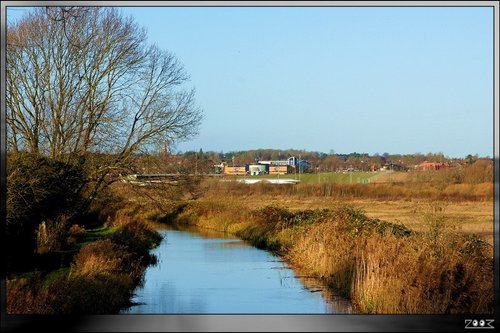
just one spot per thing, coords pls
(86, 94)
(383, 267)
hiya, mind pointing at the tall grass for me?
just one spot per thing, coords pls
(383, 267)
(390, 274)
(382, 191)
(101, 277)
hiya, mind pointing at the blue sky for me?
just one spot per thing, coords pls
(373, 79)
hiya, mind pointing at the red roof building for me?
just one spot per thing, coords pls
(426, 165)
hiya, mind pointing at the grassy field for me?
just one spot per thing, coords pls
(471, 218)
(389, 176)
(341, 177)
(322, 177)
(464, 208)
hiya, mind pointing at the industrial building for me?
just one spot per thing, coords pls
(280, 169)
(277, 167)
(234, 170)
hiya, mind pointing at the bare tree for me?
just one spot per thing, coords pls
(82, 81)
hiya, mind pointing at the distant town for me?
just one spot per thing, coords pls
(258, 162)
(294, 165)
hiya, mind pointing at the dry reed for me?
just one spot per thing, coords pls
(383, 267)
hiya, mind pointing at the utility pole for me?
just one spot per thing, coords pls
(196, 164)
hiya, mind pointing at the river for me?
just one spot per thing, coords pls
(202, 272)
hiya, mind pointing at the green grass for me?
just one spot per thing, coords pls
(334, 177)
(92, 235)
(95, 234)
(323, 177)
(55, 275)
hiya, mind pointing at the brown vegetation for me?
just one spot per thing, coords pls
(101, 277)
(383, 267)
(382, 191)
(74, 295)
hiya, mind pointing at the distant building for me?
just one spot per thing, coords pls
(426, 165)
(258, 169)
(302, 165)
(276, 167)
(234, 170)
(280, 169)
(292, 162)
(219, 168)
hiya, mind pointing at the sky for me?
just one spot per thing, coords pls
(343, 79)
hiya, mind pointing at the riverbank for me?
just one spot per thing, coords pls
(382, 267)
(98, 276)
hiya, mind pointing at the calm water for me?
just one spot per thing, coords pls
(214, 273)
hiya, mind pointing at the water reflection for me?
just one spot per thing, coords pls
(212, 272)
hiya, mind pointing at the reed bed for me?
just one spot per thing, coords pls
(383, 267)
(378, 191)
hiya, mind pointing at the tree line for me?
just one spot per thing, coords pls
(203, 162)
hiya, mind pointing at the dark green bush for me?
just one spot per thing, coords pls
(38, 190)
(273, 215)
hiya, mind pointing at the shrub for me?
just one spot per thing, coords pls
(273, 215)
(479, 172)
(101, 257)
(52, 234)
(99, 294)
(38, 189)
(27, 295)
(74, 294)
(137, 238)
(75, 233)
